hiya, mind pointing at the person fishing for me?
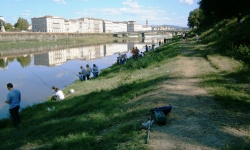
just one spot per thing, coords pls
(80, 76)
(14, 99)
(58, 94)
(146, 48)
(88, 71)
(95, 70)
(84, 73)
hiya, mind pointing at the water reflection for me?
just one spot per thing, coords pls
(35, 71)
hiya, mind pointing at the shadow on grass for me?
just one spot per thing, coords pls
(104, 120)
(78, 122)
(230, 90)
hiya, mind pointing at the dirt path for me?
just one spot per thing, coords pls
(196, 121)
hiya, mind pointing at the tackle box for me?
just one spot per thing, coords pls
(160, 117)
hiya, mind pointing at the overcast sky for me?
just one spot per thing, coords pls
(157, 12)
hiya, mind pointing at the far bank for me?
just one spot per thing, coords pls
(13, 40)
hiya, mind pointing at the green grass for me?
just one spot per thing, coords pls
(228, 38)
(79, 122)
(100, 117)
(106, 113)
(230, 88)
(18, 44)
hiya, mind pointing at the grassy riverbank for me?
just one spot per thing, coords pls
(106, 113)
(80, 41)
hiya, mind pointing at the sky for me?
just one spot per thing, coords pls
(157, 12)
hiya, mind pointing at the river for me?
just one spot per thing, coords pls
(35, 71)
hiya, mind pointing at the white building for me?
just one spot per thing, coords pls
(48, 24)
(162, 28)
(83, 25)
(120, 27)
(134, 26)
(56, 24)
(108, 26)
(146, 28)
(113, 27)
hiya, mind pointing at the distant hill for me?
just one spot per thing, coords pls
(172, 26)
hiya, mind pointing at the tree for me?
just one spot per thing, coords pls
(22, 24)
(8, 26)
(195, 18)
(216, 10)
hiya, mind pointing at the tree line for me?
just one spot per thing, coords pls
(21, 24)
(215, 21)
(213, 11)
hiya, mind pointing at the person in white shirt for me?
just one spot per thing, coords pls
(58, 94)
(197, 38)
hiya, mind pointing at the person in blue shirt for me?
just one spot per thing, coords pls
(14, 99)
(84, 73)
(95, 70)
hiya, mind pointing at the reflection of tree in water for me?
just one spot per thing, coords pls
(11, 59)
(3, 63)
(24, 61)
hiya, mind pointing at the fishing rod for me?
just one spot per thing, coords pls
(39, 78)
(68, 70)
(149, 127)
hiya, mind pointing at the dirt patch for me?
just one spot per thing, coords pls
(196, 120)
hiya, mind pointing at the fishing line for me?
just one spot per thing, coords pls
(68, 70)
(39, 78)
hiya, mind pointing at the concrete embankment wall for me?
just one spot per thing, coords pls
(22, 36)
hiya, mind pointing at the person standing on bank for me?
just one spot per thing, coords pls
(95, 70)
(88, 71)
(14, 99)
(197, 38)
(84, 73)
(134, 53)
(146, 48)
(186, 37)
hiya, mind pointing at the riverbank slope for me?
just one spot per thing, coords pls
(27, 40)
(209, 97)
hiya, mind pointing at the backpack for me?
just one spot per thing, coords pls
(164, 109)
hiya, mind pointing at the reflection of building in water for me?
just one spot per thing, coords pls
(50, 58)
(83, 53)
(134, 45)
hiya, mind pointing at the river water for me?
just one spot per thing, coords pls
(35, 71)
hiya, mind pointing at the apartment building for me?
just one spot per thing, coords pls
(48, 24)
(113, 27)
(134, 26)
(84, 25)
(162, 28)
(56, 24)
(120, 27)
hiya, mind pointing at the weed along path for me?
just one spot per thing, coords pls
(196, 121)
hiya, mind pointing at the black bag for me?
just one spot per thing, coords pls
(164, 109)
